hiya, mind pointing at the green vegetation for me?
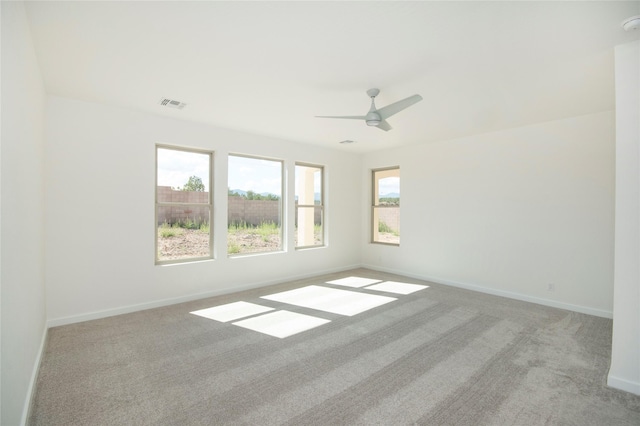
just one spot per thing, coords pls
(204, 228)
(393, 201)
(168, 230)
(265, 229)
(194, 184)
(383, 227)
(250, 195)
(236, 227)
(188, 224)
(268, 232)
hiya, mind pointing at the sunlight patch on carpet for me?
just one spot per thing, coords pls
(355, 282)
(281, 323)
(332, 300)
(232, 311)
(396, 287)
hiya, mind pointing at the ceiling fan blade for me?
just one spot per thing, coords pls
(384, 126)
(352, 117)
(396, 107)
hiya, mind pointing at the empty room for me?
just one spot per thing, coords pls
(320, 213)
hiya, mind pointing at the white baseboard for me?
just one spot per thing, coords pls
(32, 381)
(188, 298)
(623, 384)
(55, 322)
(508, 294)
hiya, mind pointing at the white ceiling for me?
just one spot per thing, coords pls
(269, 67)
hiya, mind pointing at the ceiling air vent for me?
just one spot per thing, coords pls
(171, 103)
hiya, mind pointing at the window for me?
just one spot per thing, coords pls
(309, 206)
(255, 205)
(183, 205)
(386, 206)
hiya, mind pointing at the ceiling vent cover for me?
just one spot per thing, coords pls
(172, 103)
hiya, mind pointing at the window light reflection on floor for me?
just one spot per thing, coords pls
(342, 302)
(283, 323)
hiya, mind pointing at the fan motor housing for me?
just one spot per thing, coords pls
(373, 119)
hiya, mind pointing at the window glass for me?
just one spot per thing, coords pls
(386, 206)
(309, 206)
(183, 205)
(255, 205)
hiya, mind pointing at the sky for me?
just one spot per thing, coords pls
(175, 167)
(245, 173)
(389, 185)
(248, 174)
(254, 174)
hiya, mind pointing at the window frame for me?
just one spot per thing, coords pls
(281, 206)
(158, 205)
(374, 199)
(321, 205)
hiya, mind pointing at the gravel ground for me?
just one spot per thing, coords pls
(194, 243)
(190, 243)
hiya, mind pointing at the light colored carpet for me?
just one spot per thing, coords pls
(438, 356)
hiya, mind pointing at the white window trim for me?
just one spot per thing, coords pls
(166, 204)
(321, 205)
(282, 248)
(374, 196)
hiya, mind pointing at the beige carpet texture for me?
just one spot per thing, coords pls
(309, 352)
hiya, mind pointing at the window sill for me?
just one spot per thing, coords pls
(245, 255)
(304, 248)
(185, 261)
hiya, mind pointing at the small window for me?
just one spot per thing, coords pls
(386, 206)
(255, 205)
(309, 206)
(183, 205)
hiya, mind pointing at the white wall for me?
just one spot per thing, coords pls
(22, 218)
(509, 212)
(625, 356)
(100, 177)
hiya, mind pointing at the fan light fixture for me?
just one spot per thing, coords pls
(378, 117)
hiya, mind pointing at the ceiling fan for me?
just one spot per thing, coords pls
(378, 117)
